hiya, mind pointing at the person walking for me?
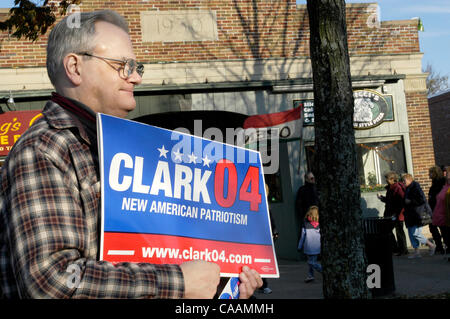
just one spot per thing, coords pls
(437, 183)
(441, 213)
(395, 194)
(265, 287)
(310, 241)
(414, 197)
(306, 196)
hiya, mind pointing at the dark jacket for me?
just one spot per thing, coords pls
(414, 197)
(275, 233)
(306, 197)
(436, 186)
(394, 199)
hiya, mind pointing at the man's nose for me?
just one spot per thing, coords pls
(135, 78)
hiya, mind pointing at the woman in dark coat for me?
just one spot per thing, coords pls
(415, 197)
(395, 194)
(437, 183)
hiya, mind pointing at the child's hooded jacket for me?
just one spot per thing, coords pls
(310, 239)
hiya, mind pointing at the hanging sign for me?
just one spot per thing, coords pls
(170, 197)
(370, 109)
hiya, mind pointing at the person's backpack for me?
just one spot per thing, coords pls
(424, 211)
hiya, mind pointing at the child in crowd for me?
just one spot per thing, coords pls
(310, 241)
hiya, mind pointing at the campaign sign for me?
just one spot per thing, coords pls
(231, 290)
(170, 197)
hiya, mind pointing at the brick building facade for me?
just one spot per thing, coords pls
(237, 55)
(440, 119)
(244, 30)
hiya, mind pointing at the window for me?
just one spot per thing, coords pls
(310, 158)
(275, 192)
(374, 160)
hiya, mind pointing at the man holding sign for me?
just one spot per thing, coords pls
(50, 191)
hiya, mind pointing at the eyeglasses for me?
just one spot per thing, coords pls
(127, 68)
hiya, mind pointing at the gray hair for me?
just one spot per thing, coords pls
(66, 38)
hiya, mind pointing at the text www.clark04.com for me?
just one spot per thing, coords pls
(212, 255)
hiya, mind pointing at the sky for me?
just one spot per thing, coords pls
(435, 16)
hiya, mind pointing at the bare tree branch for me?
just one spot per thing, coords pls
(436, 83)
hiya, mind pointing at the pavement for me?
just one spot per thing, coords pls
(414, 278)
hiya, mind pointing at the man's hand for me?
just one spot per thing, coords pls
(200, 279)
(250, 280)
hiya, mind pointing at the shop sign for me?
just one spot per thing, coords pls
(12, 125)
(308, 111)
(370, 110)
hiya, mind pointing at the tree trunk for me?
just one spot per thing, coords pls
(336, 169)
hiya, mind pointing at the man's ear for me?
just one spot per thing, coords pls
(72, 66)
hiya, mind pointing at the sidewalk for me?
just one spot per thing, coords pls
(429, 275)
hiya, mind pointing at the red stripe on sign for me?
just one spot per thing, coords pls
(272, 119)
(163, 249)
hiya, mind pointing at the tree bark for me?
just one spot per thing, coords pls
(336, 171)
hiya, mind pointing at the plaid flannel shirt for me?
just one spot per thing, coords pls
(50, 220)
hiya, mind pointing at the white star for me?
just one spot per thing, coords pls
(206, 161)
(192, 158)
(177, 156)
(162, 151)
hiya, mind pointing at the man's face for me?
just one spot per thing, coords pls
(106, 89)
(408, 181)
(310, 178)
(390, 181)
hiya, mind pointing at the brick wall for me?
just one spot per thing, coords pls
(246, 30)
(257, 29)
(440, 123)
(420, 136)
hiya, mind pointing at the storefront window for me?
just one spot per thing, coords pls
(374, 160)
(310, 158)
(274, 183)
